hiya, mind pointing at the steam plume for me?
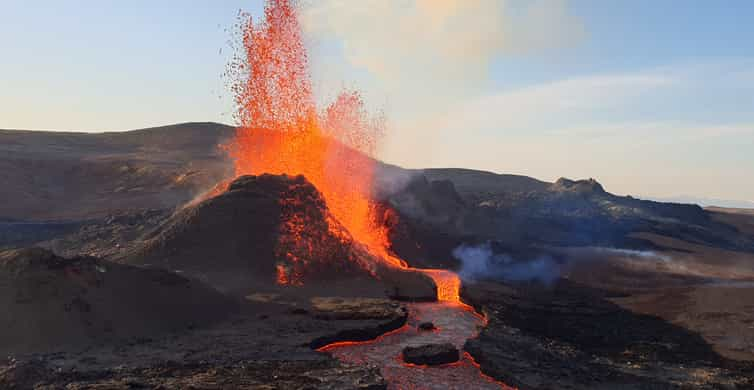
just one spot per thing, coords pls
(480, 262)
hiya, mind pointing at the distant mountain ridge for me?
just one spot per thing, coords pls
(64, 176)
(562, 214)
(705, 202)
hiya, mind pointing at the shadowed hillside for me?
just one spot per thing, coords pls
(63, 175)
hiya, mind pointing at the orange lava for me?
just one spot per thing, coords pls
(448, 284)
(282, 131)
(457, 325)
(282, 274)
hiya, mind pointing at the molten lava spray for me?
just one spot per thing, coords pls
(282, 131)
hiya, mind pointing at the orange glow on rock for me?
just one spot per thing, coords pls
(282, 131)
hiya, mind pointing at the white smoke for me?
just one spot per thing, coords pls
(390, 179)
(630, 253)
(418, 46)
(588, 254)
(480, 262)
(418, 58)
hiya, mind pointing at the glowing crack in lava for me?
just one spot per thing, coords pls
(282, 131)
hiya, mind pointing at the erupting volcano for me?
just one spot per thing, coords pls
(282, 131)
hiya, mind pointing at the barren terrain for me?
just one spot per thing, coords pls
(637, 294)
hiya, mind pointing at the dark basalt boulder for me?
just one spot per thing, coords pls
(425, 326)
(431, 354)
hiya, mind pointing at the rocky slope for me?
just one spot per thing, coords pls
(267, 230)
(50, 303)
(74, 176)
(573, 337)
(267, 344)
(526, 213)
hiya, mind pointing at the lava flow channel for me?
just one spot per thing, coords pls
(455, 322)
(282, 131)
(455, 325)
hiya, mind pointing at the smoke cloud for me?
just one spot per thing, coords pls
(389, 180)
(438, 41)
(424, 55)
(480, 262)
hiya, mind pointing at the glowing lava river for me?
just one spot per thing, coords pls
(454, 321)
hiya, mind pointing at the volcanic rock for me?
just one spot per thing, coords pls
(408, 285)
(323, 374)
(431, 354)
(569, 336)
(390, 316)
(339, 308)
(50, 302)
(77, 176)
(233, 240)
(426, 326)
(589, 186)
(268, 230)
(435, 202)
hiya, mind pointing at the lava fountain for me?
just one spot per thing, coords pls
(282, 131)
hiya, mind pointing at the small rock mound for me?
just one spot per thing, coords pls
(339, 308)
(431, 354)
(52, 303)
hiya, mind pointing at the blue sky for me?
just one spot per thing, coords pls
(652, 98)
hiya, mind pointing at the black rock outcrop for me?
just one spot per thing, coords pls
(431, 354)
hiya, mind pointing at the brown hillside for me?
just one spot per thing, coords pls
(51, 303)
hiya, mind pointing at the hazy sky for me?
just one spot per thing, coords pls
(652, 98)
